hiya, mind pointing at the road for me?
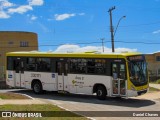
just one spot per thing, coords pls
(86, 104)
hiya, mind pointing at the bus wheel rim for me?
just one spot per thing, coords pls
(36, 88)
(99, 92)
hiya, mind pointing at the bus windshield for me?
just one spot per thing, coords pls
(138, 72)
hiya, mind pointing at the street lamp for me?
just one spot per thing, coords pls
(111, 26)
(118, 24)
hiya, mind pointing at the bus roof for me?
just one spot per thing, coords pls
(84, 55)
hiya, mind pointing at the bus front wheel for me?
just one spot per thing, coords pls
(101, 93)
(37, 87)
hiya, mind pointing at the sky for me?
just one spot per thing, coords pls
(80, 25)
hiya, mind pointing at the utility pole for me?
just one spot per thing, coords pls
(102, 44)
(111, 27)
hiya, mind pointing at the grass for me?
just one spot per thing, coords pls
(46, 107)
(156, 82)
(151, 89)
(12, 96)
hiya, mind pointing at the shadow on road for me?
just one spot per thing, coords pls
(131, 102)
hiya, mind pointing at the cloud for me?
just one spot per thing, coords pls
(156, 32)
(36, 2)
(33, 17)
(59, 17)
(5, 4)
(4, 15)
(76, 48)
(21, 9)
(7, 8)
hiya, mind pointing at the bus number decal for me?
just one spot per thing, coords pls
(36, 75)
(79, 78)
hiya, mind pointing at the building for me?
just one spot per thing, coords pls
(153, 61)
(15, 41)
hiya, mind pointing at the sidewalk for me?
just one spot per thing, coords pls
(154, 85)
(152, 95)
(21, 102)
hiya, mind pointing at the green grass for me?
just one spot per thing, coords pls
(151, 89)
(45, 107)
(156, 82)
(12, 96)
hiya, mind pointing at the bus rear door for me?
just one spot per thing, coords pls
(19, 73)
(119, 80)
(62, 69)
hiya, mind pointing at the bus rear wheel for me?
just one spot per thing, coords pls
(101, 93)
(37, 87)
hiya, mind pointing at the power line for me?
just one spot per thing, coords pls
(105, 41)
(143, 24)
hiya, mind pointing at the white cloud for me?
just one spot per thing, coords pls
(125, 50)
(156, 32)
(77, 48)
(7, 8)
(36, 2)
(21, 9)
(33, 17)
(59, 17)
(5, 4)
(4, 15)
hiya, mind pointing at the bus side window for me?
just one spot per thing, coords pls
(66, 69)
(59, 68)
(31, 66)
(122, 72)
(10, 63)
(17, 65)
(43, 64)
(114, 71)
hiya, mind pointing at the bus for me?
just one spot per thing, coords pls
(115, 74)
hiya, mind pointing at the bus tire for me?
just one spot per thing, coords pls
(37, 87)
(101, 92)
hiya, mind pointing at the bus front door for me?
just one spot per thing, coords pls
(119, 79)
(62, 68)
(19, 73)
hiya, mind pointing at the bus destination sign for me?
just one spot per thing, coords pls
(135, 58)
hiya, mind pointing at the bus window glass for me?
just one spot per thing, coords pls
(10, 63)
(100, 66)
(138, 70)
(43, 64)
(91, 66)
(115, 71)
(59, 68)
(31, 66)
(78, 66)
(122, 72)
(88, 66)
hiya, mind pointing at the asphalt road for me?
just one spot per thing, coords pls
(90, 106)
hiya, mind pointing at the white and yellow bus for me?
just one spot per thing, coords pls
(121, 75)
